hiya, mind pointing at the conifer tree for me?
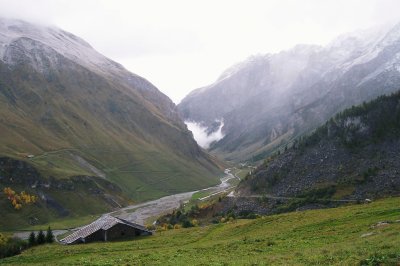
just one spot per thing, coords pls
(32, 239)
(49, 236)
(41, 239)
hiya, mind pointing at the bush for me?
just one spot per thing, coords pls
(230, 214)
(151, 227)
(187, 224)
(195, 222)
(251, 216)
(177, 226)
(11, 247)
(3, 239)
(215, 221)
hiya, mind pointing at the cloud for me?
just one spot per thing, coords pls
(201, 136)
(181, 45)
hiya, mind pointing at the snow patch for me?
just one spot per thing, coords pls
(201, 136)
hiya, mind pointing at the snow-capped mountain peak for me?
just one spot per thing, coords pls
(17, 32)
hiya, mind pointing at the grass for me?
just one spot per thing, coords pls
(201, 194)
(68, 223)
(242, 173)
(316, 237)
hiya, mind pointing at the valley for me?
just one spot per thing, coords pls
(288, 158)
(146, 212)
(141, 213)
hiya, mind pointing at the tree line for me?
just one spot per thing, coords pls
(11, 246)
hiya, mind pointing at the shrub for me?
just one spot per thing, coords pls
(151, 227)
(3, 239)
(11, 247)
(195, 222)
(187, 224)
(177, 226)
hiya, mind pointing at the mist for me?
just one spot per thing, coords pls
(147, 36)
(202, 137)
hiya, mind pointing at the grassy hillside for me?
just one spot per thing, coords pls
(112, 127)
(351, 235)
(67, 120)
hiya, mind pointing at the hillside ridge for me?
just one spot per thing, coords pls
(353, 156)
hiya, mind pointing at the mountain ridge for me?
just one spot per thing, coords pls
(273, 100)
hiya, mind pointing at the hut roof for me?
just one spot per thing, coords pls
(105, 222)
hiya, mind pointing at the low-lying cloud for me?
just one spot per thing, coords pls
(201, 136)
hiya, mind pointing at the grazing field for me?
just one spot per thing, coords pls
(366, 234)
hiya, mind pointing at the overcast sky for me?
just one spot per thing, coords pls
(183, 45)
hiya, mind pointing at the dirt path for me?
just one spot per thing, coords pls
(25, 234)
(267, 196)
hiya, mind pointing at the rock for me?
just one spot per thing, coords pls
(368, 234)
(381, 224)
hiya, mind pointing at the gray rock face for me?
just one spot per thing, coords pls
(355, 153)
(353, 158)
(270, 99)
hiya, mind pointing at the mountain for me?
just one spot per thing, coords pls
(353, 157)
(66, 110)
(268, 100)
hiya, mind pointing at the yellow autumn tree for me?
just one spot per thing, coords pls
(17, 200)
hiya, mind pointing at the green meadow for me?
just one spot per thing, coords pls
(364, 234)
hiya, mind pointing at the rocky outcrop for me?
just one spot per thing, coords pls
(353, 157)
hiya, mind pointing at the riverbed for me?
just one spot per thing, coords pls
(141, 212)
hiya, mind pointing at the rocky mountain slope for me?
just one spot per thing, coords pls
(268, 100)
(354, 156)
(69, 111)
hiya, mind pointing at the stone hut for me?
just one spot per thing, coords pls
(104, 229)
